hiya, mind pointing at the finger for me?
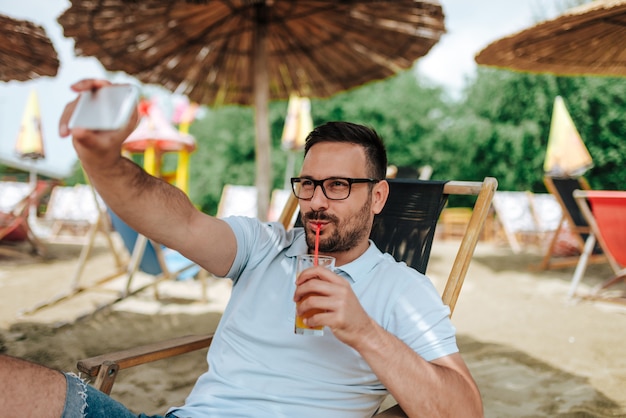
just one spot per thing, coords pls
(317, 301)
(64, 129)
(315, 286)
(319, 273)
(322, 317)
(318, 319)
(86, 138)
(303, 290)
(328, 312)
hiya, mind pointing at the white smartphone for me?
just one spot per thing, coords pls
(106, 109)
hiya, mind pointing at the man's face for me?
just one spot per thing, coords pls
(344, 224)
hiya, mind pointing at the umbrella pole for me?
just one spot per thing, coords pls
(261, 100)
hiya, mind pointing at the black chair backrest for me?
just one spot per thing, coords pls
(565, 187)
(406, 226)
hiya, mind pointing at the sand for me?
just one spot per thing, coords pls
(533, 352)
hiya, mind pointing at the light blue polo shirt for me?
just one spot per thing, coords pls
(258, 366)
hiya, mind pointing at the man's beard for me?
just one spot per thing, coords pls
(347, 233)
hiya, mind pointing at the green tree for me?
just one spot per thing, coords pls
(502, 125)
(401, 109)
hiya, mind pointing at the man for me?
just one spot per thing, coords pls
(386, 328)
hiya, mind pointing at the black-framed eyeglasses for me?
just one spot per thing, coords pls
(334, 188)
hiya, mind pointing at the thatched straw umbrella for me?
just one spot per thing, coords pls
(586, 40)
(26, 52)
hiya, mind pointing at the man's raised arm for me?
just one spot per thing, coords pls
(149, 205)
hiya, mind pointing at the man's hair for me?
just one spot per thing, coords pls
(352, 133)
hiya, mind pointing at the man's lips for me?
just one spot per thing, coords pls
(314, 225)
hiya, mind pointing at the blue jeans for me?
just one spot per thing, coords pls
(84, 401)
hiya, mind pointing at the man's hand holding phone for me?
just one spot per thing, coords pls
(99, 120)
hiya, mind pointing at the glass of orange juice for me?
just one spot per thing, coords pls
(304, 261)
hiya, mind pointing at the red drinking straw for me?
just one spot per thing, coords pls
(317, 244)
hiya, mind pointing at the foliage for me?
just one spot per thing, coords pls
(516, 111)
(403, 111)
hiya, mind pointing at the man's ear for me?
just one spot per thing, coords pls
(380, 192)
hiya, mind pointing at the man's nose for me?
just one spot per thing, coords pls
(319, 199)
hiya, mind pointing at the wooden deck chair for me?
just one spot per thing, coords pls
(241, 201)
(76, 215)
(237, 200)
(605, 212)
(515, 217)
(527, 218)
(16, 199)
(406, 227)
(572, 220)
(80, 211)
(71, 213)
(546, 212)
(154, 259)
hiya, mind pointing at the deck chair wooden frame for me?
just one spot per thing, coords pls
(125, 269)
(102, 225)
(587, 201)
(562, 189)
(105, 368)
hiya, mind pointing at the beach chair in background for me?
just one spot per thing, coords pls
(154, 259)
(425, 172)
(527, 218)
(514, 215)
(405, 228)
(71, 213)
(605, 212)
(241, 201)
(75, 215)
(546, 212)
(573, 227)
(278, 201)
(16, 199)
(237, 200)
(144, 255)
